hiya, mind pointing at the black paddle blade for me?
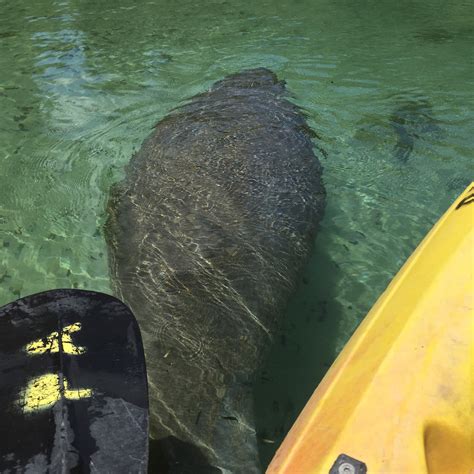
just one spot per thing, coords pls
(73, 394)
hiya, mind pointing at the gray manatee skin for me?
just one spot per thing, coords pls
(208, 234)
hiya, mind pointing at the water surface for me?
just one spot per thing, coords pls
(386, 85)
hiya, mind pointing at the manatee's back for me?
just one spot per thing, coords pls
(208, 233)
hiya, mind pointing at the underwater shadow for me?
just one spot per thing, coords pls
(303, 351)
(172, 456)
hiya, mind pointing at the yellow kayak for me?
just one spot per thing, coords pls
(399, 398)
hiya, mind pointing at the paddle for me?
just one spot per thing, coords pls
(73, 394)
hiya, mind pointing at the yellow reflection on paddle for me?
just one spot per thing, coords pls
(44, 391)
(51, 343)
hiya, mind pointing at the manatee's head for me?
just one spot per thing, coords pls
(260, 78)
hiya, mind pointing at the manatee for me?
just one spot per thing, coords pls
(435, 35)
(411, 120)
(208, 234)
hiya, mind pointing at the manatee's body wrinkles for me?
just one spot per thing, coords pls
(207, 235)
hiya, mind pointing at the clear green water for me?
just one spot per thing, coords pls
(82, 83)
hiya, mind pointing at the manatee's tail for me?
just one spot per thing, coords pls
(225, 443)
(405, 144)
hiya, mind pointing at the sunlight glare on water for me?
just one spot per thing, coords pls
(386, 85)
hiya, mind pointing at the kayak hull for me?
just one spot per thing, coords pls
(399, 396)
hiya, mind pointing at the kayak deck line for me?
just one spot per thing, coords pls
(397, 398)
